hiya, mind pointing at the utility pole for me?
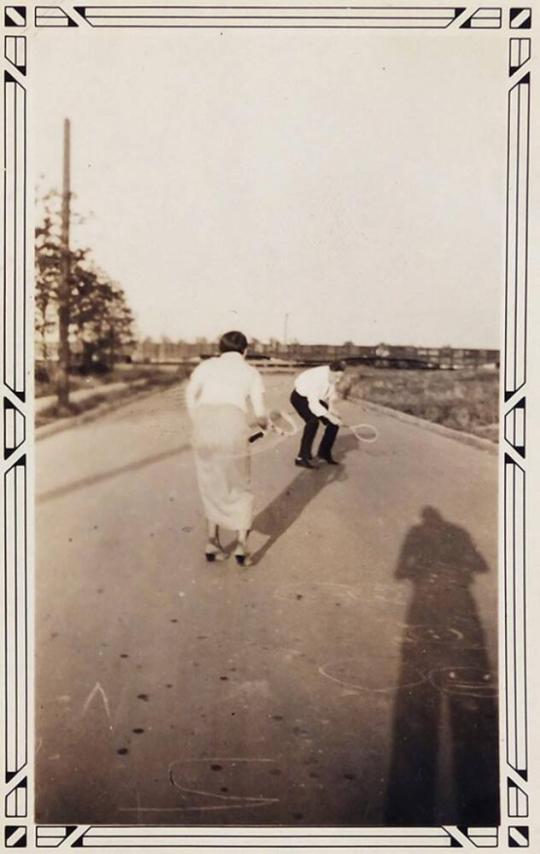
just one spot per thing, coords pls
(285, 324)
(64, 288)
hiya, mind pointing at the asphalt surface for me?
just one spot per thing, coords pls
(80, 395)
(348, 678)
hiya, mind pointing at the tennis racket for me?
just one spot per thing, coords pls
(278, 422)
(363, 432)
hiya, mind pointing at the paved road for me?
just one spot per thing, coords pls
(346, 679)
(81, 394)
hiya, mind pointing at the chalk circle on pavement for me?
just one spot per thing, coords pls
(196, 777)
(464, 681)
(361, 674)
(446, 636)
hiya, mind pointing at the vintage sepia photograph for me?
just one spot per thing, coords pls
(274, 366)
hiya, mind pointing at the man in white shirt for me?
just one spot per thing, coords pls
(313, 398)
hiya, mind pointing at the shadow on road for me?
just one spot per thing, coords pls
(60, 491)
(285, 509)
(444, 761)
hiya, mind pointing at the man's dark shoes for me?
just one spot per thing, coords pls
(328, 459)
(303, 463)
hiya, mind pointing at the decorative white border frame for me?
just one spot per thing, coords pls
(18, 827)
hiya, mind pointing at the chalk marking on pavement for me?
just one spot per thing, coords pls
(460, 636)
(389, 594)
(419, 679)
(388, 601)
(259, 803)
(97, 689)
(240, 800)
(223, 759)
(246, 799)
(463, 686)
(423, 632)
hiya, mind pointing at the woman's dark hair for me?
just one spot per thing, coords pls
(233, 342)
(338, 366)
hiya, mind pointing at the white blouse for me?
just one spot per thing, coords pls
(226, 379)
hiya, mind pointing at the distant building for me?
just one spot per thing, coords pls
(381, 355)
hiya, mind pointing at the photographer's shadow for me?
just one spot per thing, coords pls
(444, 763)
(278, 516)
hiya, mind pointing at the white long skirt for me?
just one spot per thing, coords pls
(220, 443)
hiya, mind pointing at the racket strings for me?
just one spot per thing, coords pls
(284, 425)
(363, 432)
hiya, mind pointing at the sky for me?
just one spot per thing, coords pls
(351, 180)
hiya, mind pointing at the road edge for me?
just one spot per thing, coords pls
(93, 414)
(459, 435)
(63, 424)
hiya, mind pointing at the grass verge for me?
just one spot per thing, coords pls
(136, 383)
(466, 400)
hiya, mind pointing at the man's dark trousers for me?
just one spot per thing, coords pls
(300, 404)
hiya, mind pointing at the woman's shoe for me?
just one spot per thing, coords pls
(213, 552)
(242, 556)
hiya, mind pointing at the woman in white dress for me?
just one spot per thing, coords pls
(218, 394)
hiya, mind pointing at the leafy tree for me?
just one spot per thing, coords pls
(48, 262)
(101, 322)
